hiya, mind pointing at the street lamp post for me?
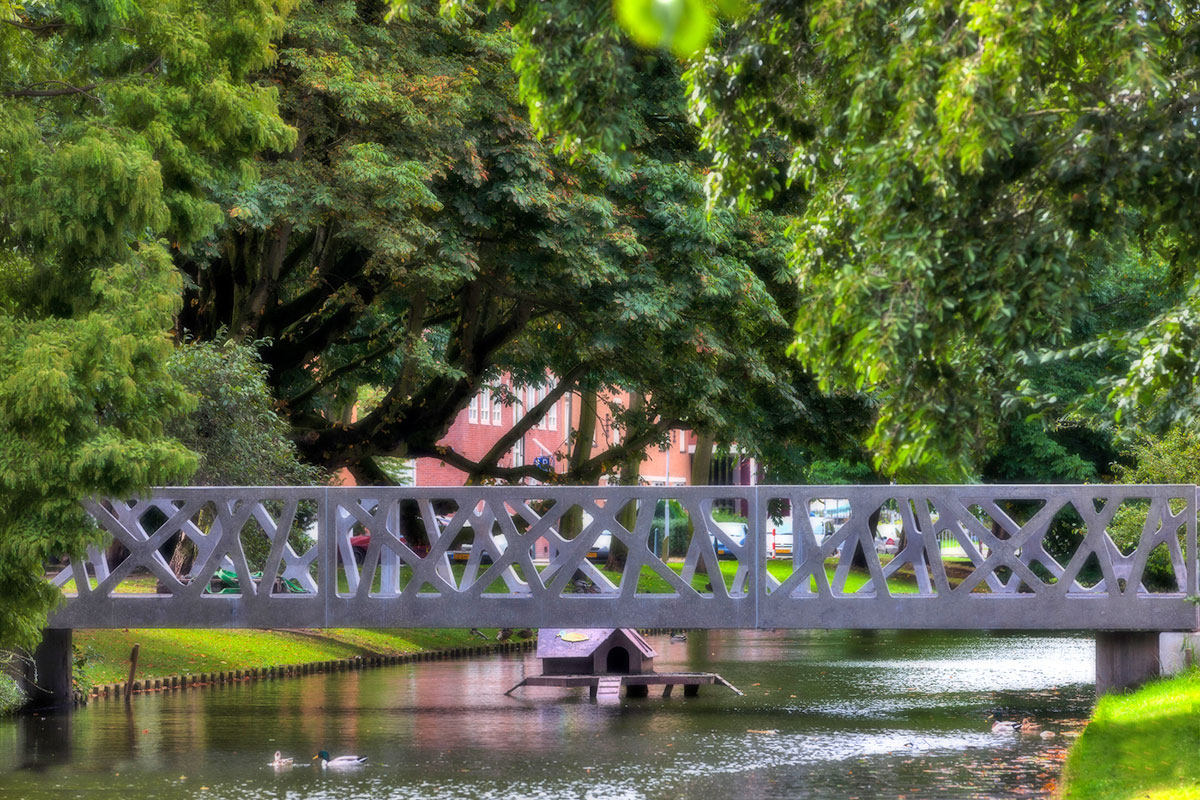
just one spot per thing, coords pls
(666, 545)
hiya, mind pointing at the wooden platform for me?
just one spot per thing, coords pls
(608, 687)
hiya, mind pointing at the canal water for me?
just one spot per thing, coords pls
(827, 714)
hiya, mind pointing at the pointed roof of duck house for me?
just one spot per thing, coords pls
(582, 642)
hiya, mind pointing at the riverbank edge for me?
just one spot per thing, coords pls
(1110, 760)
(217, 678)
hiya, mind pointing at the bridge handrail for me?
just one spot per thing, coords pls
(1026, 557)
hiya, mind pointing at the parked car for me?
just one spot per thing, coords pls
(599, 549)
(360, 543)
(887, 539)
(779, 541)
(886, 545)
(736, 531)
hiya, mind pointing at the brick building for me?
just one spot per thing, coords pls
(480, 425)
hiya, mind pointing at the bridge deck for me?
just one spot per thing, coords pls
(1035, 558)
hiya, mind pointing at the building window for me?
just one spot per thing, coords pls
(497, 411)
(473, 409)
(485, 403)
(552, 417)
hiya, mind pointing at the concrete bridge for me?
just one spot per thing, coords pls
(968, 557)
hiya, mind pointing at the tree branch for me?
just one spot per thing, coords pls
(69, 89)
(466, 465)
(531, 417)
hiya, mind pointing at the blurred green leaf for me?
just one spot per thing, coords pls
(684, 26)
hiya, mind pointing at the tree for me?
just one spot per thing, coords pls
(420, 239)
(1170, 458)
(235, 433)
(956, 171)
(114, 119)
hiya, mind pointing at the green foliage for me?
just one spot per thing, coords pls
(235, 433)
(682, 25)
(1173, 458)
(11, 696)
(233, 429)
(839, 472)
(115, 121)
(423, 240)
(960, 174)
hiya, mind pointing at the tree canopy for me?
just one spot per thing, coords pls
(116, 120)
(959, 173)
(420, 238)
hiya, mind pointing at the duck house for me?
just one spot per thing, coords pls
(604, 660)
(595, 651)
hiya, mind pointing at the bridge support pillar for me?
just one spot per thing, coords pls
(48, 679)
(1126, 659)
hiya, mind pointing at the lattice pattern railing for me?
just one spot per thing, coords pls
(1024, 557)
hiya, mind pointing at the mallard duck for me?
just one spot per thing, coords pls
(280, 762)
(1005, 727)
(340, 761)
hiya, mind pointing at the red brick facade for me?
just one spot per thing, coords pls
(478, 427)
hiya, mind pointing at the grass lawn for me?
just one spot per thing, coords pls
(648, 581)
(171, 651)
(1140, 746)
(178, 651)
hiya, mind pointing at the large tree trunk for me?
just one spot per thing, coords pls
(859, 560)
(630, 474)
(572, 521)
(184, 556)
(701, 476)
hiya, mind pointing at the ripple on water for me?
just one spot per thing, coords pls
(840, 716)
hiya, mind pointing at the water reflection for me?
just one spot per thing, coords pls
(826, 715)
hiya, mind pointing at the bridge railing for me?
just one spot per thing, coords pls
(1105, 557)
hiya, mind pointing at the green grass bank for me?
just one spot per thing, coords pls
(103, 655)
(1140, 746)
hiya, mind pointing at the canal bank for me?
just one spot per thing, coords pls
(1143, 745)
(186, 657)
(171, 659)
(250, 656)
